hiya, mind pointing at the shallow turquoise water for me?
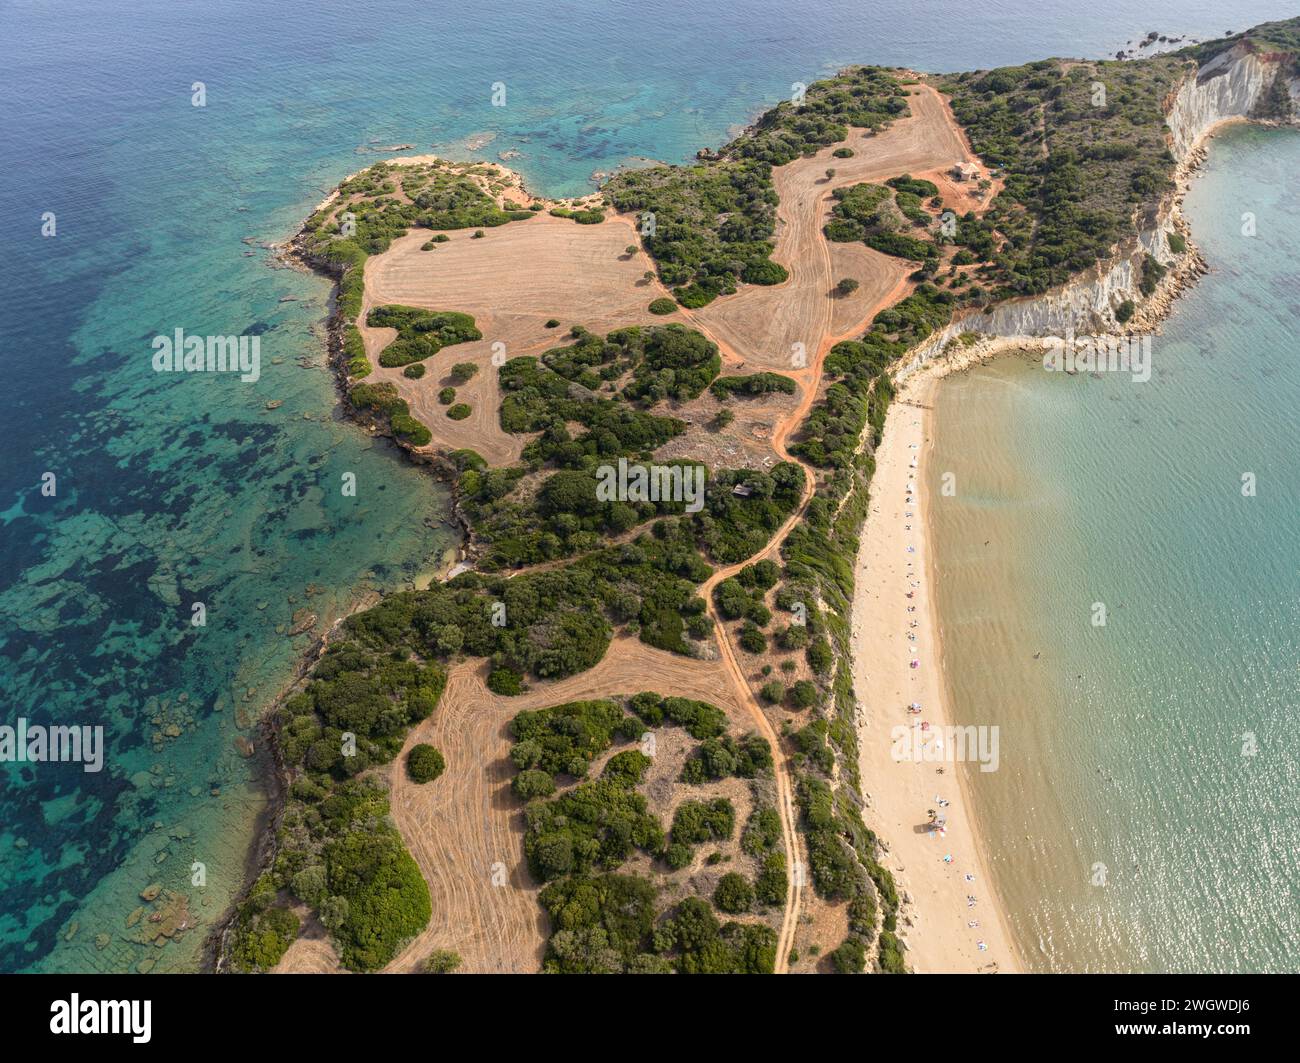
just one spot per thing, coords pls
(1145, 815)
(172, 490)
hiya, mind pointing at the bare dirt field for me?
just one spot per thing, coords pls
(767, 322)
(513, 280)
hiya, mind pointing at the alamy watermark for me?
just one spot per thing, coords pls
(37, 744)
(1099, 354)
(946, 745)
(77, 1016)
(651, 483)
(180, 353)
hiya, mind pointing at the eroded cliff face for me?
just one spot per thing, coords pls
(1231, 86)
(1084, 306)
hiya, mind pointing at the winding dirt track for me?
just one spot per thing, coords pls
(467, 822)
(801, 311)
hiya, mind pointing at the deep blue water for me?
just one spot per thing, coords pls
(176, 490)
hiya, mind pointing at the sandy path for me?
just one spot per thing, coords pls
(901, 791)
(767, 322)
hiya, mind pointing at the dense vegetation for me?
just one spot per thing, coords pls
(420, 333)
(565, 738)
(551, 506)
(1078, 169)
(880, 216)
(382, 401)
(583, 216)
(604, 919)
(752, 384)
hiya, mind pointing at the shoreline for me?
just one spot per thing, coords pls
(934, 917)
(899, 794)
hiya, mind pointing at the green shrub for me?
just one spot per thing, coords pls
(447, 396)
(849, 958)
(819, 656)
(414, 371)
(716, 758)
(381, 398)
(424, 763)
(1152, 272)
(582, 217)
(407, 428)
(506, 682)
(663, 306)
(753, 384)
(803, 694)
(601, 924)
(733, 894)
(705, 947)
(387, 900)
(565, 738)
(700, 821)
(770, 886)
(261, 939)
(890, 957)
(354, 350)
(533, 783)
(442, 961)
(752, 640)
(459, 412)
(595, 826)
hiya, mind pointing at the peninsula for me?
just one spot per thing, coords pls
(652, 731)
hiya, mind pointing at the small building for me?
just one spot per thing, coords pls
(966, 171)
(741, 490)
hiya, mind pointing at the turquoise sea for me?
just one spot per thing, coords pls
(1146, 814)
(174, 490)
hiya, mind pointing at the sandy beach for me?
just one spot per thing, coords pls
(938, 872)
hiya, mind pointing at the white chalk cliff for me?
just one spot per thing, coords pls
(1230, 86)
